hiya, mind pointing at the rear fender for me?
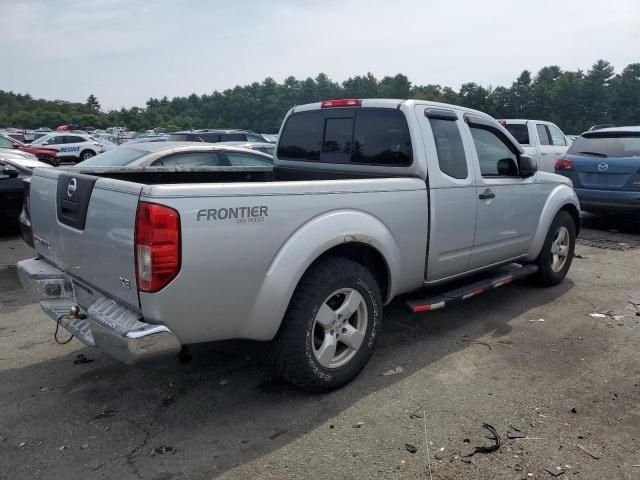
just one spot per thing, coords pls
(560, 197)
(309, 242)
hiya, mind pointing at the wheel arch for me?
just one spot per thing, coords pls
(352, 234)
(562, 197)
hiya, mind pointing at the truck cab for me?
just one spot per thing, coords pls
(368, 199)
(541, 139)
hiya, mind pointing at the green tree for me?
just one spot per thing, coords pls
(93, 103)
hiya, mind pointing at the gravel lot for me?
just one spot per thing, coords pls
(520, 357)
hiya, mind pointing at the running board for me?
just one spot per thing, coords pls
(513, 272)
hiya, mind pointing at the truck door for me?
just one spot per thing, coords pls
(508, 204)
(547, 160)
(452, 193)
(558, 141)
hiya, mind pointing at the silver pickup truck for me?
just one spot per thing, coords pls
(368, 199)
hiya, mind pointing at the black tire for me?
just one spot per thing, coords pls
(548, 276)
(293, 348)
(86, 155)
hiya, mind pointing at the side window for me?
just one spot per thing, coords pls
(495, 157)
(247, 160)
(543, 135)
(252, 137)
(73, 139)
(451, 156)
(557, 137)
(209, 137)
(5, 143)
(193, 159)
(232, 137)
(381, 137)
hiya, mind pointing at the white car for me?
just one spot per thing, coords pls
(23, 158)
(73, 147)
(543, 140)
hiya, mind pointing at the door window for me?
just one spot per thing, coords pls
(5, 143)
(194, 159)
(557, 137)
(73, 139)
(247, 160)
(494, 155)
(543, 134)
(451, 156)
(252, 137)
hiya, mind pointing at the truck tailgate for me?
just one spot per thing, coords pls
(85, 226)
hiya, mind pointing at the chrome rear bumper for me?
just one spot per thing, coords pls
(112, 327)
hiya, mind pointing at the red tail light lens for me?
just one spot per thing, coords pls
(564, 164)
(342, 102)
(157, 244)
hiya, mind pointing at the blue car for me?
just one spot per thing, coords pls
(604, 166)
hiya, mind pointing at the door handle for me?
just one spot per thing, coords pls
(488, 194)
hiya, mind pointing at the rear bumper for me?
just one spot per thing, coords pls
(608, 199)
(112, 327)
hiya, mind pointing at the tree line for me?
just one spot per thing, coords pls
(573, 100)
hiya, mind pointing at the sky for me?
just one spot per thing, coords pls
(125, 51)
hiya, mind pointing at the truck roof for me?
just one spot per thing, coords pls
(392, 103)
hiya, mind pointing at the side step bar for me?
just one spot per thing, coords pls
(504, 277)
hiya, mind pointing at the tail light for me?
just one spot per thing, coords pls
(157, 246)
(564, 164)
(342, 102)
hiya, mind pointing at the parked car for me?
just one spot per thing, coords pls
(177, 154)
(604, 166)
(542, 140)
(12, 175)
(264, 147)
(601, 126)
(215, 136)
(155, 138)
(397, 196)
(270, 137)
(46, 155)
(17, 136)
(72, 147)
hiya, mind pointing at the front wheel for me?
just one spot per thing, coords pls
(331, 326)
(86, 155)
(557, 252)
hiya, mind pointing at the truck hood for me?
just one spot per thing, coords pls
(546, 177)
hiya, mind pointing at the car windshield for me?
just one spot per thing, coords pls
(41, 140)
(117, 157)
(621, 145)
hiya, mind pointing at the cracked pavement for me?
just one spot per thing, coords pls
(568, 380)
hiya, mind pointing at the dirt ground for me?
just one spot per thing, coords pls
(518, 358)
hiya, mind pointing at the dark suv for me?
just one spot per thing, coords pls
(214, 136)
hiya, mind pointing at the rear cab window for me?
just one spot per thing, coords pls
(520, 132)
(367, 136)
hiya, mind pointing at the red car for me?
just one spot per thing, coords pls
(46, 155)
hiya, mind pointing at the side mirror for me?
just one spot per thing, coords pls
(507, 167)
(10, 171)
(528, 165)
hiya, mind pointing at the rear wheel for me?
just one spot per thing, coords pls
(331, 325)
(86, 155)
(557, 252)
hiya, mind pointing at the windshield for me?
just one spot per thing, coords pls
(117, 157)
(41, 140)
(621, 145)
